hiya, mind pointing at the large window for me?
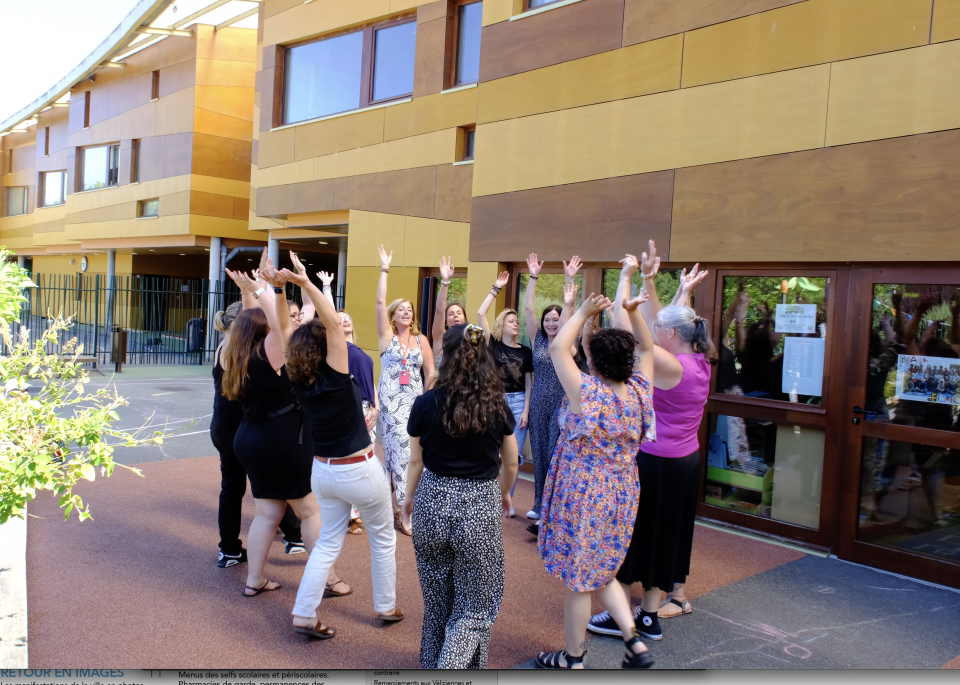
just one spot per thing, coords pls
(99, 167)
(534, 4)
(53, 188)
(17, 200)
(468, 43)
(349, 71)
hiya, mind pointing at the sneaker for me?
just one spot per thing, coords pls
(603, 624)
(533, 515)
(294, 547)
(228, 560)
(648, 625)
(534, 529)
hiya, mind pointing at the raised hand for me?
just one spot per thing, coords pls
(325, 278)
(264, 260)
(630, 265)
(594, 304)
(742, 307)
(503, 279)
(570, 270)
(301, 269)
(446, 268)
(569, 294)
(285, 275)
(689, 282)
(256, 274)
(242, 280)
(533, 266)
(649, 261)
(631, 305)
(385, 258)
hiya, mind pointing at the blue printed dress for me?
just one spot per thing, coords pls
(593, 487)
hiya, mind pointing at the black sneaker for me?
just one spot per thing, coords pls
(603, 624)
(648, 625)
(228, 560)
(296, 547)
(534, 529)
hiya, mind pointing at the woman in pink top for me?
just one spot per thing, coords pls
(659, 553)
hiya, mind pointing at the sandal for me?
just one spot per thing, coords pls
(552, 660)
(318, 632)
(685, 608)
(354, 528)
(261, 589)
(334, 593)
(398, 520)
(633, 659)
(392, 617)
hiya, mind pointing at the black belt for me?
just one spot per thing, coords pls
(281, 412)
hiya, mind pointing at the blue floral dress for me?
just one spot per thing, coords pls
(545, 399)
(593, 487)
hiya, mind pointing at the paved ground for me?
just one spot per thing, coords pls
(138, 586)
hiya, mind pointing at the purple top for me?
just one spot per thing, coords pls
(361, 368)
(680, 409)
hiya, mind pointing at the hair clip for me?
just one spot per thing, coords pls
(473, 333)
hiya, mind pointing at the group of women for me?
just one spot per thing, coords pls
(615, 449)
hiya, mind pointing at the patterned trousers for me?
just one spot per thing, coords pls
(458, 539)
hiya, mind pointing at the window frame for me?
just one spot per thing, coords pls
(26, 201)
(527, 7)
(463, 135)
(141, 203)
(42, 188)
(135, 149)
(367, 67)
(450, 80)
(81, 158)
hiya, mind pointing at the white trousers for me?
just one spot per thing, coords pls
(367, 486)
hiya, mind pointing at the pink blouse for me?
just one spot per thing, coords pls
(680, 409)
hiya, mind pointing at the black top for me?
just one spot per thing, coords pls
(512, 363)
(266, 392)
(334, 412)
(224, 410)
(473, 456)
(361, 368)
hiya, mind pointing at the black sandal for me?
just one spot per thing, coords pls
(634, 660)
(261, 589)
(552, 660)
(318, 632)
(685, 607)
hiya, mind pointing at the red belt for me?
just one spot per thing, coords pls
(345, 460)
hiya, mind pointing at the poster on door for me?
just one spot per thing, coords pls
(928, 379)
(796, 318)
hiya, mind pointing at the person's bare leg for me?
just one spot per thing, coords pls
(576, 616)
(617, 603)
(651, 600)
(259, 538)
(308, 511)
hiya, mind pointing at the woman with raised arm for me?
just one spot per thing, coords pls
(547, 392)
(460, 430)
(404, 352)
(590, 499)
(270, 442)
(659, 553)
(344, 468)
(514, 364)
(446, 315)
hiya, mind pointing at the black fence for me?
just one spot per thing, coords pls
(165, 320)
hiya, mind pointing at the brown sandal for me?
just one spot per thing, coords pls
(258, 590)
(355, 528)
(318, 632)
(392, 617)
(333, 593)
(398, 520)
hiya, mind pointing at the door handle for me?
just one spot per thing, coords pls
(860, 410)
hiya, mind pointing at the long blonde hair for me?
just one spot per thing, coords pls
(497, 331)
(392, 309)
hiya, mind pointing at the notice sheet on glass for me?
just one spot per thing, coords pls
(803, 366)
(928, 379)
(796, 318)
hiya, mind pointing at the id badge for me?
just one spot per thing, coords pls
(404, 377)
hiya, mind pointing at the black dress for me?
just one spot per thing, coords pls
(272, 442)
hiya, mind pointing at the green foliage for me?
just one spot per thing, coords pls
(59, 434)
(549, 291)
(765, 294)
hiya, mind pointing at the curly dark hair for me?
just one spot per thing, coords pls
(306, 352)
(469, 379)
(612, 351)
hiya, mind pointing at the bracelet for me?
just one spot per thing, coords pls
(646, 277)
(326, 286)
(443, 282)
(533, 278)
(277, 290)
(384, 270)
(496, 287)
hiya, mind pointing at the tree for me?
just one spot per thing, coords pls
(53, 433)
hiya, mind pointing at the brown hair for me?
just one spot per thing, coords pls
(446, 311)
(306, 352)
(248, 330)
(392, 309)
(222, 320)
(471, 383)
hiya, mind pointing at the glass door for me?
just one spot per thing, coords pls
(900, 485)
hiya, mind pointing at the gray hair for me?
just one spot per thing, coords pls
(691, 328)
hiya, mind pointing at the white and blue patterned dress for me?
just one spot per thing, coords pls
(396, 401)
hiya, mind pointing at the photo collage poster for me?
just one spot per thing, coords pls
(928, 379)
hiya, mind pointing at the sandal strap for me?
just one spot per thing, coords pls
(676, 601)
(571, 660)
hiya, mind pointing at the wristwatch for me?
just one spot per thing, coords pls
(256, 295)
(277, 290)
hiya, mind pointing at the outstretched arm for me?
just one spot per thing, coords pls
(309, 310)
(569, 274)
(533, 266)
(337, 358)
(250, 290)
(649, 266)
(488, 301)
(630, 266)
(645, 346)
(384, 332)
(275, 309)
(688, 283)
(439, 314)
(566, 368)
(325, 280)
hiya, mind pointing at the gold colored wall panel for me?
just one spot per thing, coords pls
(495, 11)
(362, 299)
(220, 186)
(230, 44)
(763, 115)
(431, 113)
(175, 112)
(225, 228)
(946, 20)
(480, 276)
(276, 147)
(407, 153)
(216, 124)
(217, 72)
(234, 101)
(895, 94)
(629, 72)
(140, 122)
(284, 174)
(130, 228)
(367, 231)
(96, 264)
(335, 135)
(426, 240)
(319, 17)
(800, 35)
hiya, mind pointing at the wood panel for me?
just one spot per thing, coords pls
(430, 11)
(855, 202)
(231, 44)
(234, 101)
(276, 147)
(367, 231)
(140, 122)
(454, 192)
(895, 94)
(629, 72)
(319, 17)
(425, 241)
(336, 135)
(946, 21)
(362, 298)
(295, 198)
(174, 78)
(275, 7)
(284, 174)
(428, 149)
(585, 28)
(495, 11)
(802, 34)
(763, 115)
(217, 124)
(177, 154)
(431, 47)
(217, 72)
(599, 220)
(645, 20)
(430, 113)
(208, 204)
(175, 113)
(407, 191)
(221, 157)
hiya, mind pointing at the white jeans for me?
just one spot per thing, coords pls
(366, 485)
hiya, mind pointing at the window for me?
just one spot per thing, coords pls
(348, 71)
(86, 109)
(155, 85)
(17, 200)
(466, 149)
(99, 167)
(46, 142)
(135, 161)
(468, 43)
(148, 208)
(534, 4)
(53, 188)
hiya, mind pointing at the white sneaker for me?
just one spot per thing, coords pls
(533, 515)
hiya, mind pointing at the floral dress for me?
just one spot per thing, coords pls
(593, 487)
(396, 401)
(545, 399)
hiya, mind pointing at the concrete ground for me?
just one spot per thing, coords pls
(141, 582)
